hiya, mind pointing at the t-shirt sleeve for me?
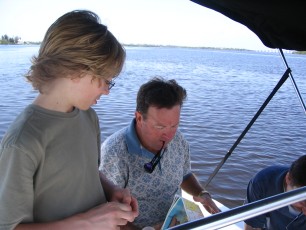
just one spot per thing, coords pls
(16, 187)
(113, 161)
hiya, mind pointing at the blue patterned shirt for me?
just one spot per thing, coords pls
(122, 161)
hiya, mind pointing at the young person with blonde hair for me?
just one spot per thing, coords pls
(49, 156)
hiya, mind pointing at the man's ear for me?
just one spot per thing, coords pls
(138, 117)
(288, 179)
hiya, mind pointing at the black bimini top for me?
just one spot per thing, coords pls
(278, 24)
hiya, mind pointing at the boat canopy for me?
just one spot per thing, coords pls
(278, 24)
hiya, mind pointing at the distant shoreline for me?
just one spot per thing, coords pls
(174, 46)
(146, 45)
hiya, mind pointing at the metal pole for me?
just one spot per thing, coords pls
(293, 82)
(266, 102)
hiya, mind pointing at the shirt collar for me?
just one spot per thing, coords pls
(133, 144)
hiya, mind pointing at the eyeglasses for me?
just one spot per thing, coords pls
(150, 166)
(110, 84)
(297, 217)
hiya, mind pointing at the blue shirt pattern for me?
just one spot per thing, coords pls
(122, 161)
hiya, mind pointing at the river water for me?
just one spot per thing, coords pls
(225, 89)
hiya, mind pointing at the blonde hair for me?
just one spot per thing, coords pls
(75, 44)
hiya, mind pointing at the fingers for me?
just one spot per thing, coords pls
(108, 216)
(121, 222)
(126, 212)
(121, 195)
(208, 204)
(124, 196)
(127, 198)
(212, 207)
(134, 206)
(122, 213)
(174, 221)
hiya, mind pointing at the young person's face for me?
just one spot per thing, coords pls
(159, 126)
(88, 91)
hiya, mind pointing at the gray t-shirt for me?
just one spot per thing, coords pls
(49, 166)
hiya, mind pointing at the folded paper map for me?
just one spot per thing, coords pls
(183, 210)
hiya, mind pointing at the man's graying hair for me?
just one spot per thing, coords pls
(159, 93)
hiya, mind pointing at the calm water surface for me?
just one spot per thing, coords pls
(225, 89)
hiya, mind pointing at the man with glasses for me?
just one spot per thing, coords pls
(270, 182)
(151, 157)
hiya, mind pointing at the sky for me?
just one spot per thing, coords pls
(150, 22)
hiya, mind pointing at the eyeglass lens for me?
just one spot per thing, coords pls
(110, 84)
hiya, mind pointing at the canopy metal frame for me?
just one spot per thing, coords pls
(286, 75)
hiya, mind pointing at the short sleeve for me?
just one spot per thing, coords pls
(114, 164)
(17, 170)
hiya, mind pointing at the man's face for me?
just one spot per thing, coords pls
(299, 206)
(159, 126)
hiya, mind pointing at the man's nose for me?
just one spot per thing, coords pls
(169, 133)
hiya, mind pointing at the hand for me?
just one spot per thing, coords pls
(109, 216)
(174, 222)
(207, 202)
(124, 196)
(304, 210)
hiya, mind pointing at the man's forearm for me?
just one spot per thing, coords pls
(191, 185)
(107, 185)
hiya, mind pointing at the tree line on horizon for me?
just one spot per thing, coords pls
(5, 39)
